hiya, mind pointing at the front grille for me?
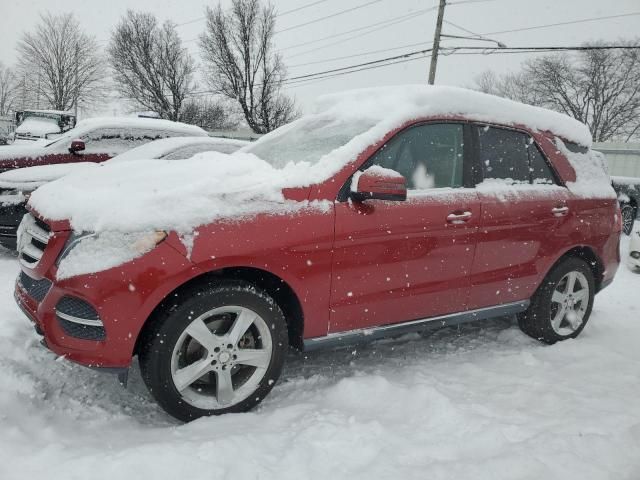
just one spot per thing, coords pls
(83, 332)
(77, 308)
(79, 319)
(37, 289)
(33, 238)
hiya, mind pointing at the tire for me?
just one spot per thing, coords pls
(540, 320)
(244, 342)
(628, 213)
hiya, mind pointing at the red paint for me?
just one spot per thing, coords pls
(351, 265)
(43, 157)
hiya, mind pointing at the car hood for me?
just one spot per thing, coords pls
(167, 195)
(11, 155)
(29, 178)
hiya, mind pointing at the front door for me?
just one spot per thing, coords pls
(402, 261)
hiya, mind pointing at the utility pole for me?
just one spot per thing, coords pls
(436, 43)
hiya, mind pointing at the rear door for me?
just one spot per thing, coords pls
(523, 211)
(401, 261)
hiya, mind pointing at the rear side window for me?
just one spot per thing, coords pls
(513, 157)
(503, 154)
(541, 172)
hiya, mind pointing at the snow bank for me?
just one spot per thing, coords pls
(480, 401)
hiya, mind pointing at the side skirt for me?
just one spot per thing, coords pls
(351, 337)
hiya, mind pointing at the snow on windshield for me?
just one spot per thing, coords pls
(38, 126)
(309, 139)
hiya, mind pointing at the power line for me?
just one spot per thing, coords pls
(358, 7)
(383, 24)
(573, 22)
(371, 52)
(302, 7)
(287, 12)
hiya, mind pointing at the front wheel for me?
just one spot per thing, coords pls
(561, 306)
(217, 349)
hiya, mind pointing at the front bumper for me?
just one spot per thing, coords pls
(122, 297)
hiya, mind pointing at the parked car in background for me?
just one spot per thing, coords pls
(93, 140)
(35, 125)
(634, 250)
(628, 190)
(387, 211)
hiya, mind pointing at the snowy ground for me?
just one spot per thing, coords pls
(482, 402)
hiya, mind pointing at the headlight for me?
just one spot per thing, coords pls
(635, 255)
(90, 252)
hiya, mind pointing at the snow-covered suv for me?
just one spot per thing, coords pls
(386, 211)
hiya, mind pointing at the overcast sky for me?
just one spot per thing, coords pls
(481, 16)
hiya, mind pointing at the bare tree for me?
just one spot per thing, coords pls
(152, 68)
(241, 64)
(597, 87)
(8, 90)
(59, 65)
(209, 113)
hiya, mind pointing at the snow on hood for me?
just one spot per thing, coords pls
(180, 195)
(26, 149)
(30, 178)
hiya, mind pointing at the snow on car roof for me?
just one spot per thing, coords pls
(159, 148)
(133, 122)
(411, 101)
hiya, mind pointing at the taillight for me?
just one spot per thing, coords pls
(619, 218)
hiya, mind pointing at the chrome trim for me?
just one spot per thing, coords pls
(350, 337)
(37, 233)
(82, 321)
(27, 231)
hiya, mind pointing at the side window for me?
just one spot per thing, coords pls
(540, 170)
(503, 154)
(428, 156)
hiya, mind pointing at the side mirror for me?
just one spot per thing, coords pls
(76, 146)
(378, 183)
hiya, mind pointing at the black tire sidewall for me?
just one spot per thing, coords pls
(155, 355)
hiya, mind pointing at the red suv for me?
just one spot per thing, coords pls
(461, 208)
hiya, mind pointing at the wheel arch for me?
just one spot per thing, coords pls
(589, 256)
(282, 293)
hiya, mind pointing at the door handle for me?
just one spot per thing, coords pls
(457, 218)
(560, 211)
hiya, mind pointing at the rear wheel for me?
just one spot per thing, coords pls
(628, 217)
(220, 349)
(561, 306)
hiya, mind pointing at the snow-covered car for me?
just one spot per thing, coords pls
(34, 125)
(634, 249)
(386, 211)
(92, 140)
(17, 185)
(628, 190)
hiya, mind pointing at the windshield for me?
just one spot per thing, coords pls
(308, 139)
